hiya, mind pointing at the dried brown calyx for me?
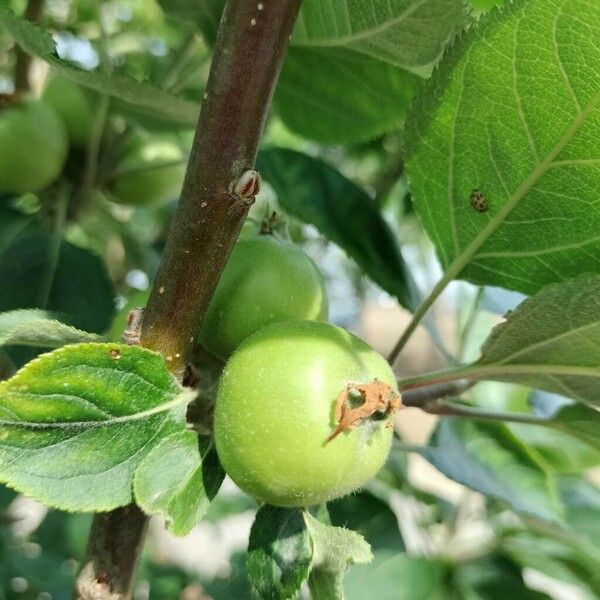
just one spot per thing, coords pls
(359, 402)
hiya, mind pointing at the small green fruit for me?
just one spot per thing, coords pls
(33, 146)
(150, 173)
(275, 414)
(74, 107)
(265, 281)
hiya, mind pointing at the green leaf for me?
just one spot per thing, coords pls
(550, 342)
(39, 328)
(316, 193)
(409, 34)
(582, 507)
(145, 98)
(574, 444)
(396, 577)
(494, 578)
(279, 552)
(334, 548)
(561, 452)
(77, 286)
(581, 422)
(342, 96)
(370, 517)
(563, 559)
(75, 423)
(487, 458)
(512, 112)
(178, 479)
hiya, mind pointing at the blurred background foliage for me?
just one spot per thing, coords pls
(436, 533)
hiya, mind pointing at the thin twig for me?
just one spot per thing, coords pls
(249, 52)
(453, 409)
(33, 13)
(467, 329)
(421, 396)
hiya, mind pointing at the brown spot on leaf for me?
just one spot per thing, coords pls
(359, 402)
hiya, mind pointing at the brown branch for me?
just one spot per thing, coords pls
(452, 409)
(114, 546)
(422, 397)
(249, 52)
(429, 398)
(33, 13)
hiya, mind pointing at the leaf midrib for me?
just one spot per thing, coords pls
(183, 398)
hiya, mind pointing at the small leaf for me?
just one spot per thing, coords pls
(279, 552)
(39, 328)
(143, 96)
(334, 548)
(493, 119)
(550, 342)
(487, 458)
(316, 193)
(75, 423)
(178, 479)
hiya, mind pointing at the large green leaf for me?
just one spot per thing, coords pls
(178, 478)
(342, 96)
(334, 549)
(39, 328)
(316, 193)
(512, 112)
(550, 341)
(145, 98)
(75, 423)
(406, 33)
(279, 552)
(487, 458)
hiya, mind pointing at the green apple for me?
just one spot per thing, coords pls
(73, 105)
(149, 173)
(33, 146)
